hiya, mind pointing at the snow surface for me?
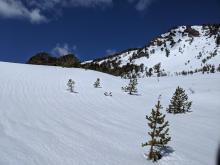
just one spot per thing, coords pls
(41, 123)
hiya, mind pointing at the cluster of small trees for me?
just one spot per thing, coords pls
(159, 131)
(97, 84)
(208, 68)
(71, 84)
(131, 88)
(113, 67)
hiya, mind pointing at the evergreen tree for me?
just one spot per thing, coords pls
(97, 83)
(179, 102)
(131, 88)
(157, 69)
(204, 69)
(142, 68)
(218, 69)
(159, 136)
(212, 69)
(150, 72)
(70, 85)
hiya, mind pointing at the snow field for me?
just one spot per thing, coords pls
(41, 123)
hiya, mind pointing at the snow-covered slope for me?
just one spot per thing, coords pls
(41, 123)
(185, 48)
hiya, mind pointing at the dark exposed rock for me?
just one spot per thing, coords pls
(68, 61)
(191, 32)
(44, 58)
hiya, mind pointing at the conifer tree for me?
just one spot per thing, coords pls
(97, 83)
(157, 69)
(70, 85)
(179, 102)
(218, 69)
(150, 72)
(212, 69)
(159, 136)
(131, 88)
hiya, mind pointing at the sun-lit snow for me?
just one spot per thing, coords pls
(187, 54)
(41, 123)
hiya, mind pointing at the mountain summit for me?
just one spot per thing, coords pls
(182, 50)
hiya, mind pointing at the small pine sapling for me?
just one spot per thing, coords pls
(132, 86)
(159, 136)
(97, 83)
(70, 85)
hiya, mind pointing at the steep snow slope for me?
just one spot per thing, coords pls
(186, 52)
(184, 48)
(41, 123)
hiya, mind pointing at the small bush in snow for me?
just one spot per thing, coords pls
(108, 93)
(159, 136)
(97, 83)
(70, 85)
(179, 102)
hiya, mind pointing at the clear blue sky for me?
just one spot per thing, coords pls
(92, 28)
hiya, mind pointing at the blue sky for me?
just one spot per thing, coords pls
(92, 28)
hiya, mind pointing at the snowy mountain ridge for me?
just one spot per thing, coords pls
(182, 50)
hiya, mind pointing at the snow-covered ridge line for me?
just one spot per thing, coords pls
(182, 50)
(112, 55)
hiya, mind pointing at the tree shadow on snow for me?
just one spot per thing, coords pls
(189, 111)
(166, 151)
(135, 94)
(72, 92)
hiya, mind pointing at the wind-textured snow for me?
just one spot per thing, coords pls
(41, 123)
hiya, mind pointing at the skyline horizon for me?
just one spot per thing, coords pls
(93, 29)
(117, 52)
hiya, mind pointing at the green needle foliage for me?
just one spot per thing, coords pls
(159, 136)
(97, 83)
(131, 88)
(70, 85)
(179, 102)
